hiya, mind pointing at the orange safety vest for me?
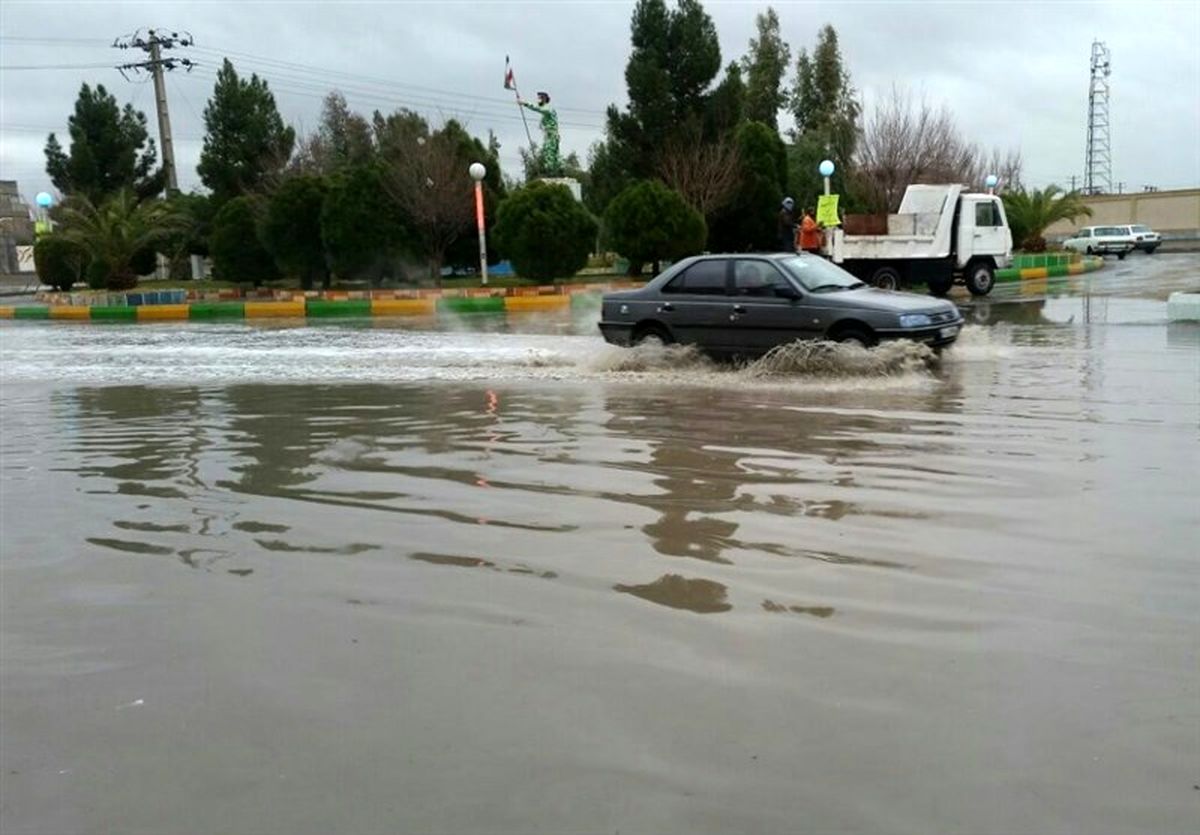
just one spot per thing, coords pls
(810, 234)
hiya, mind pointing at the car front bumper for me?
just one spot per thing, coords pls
(936, 336)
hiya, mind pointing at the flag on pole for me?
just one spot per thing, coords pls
(510, 83)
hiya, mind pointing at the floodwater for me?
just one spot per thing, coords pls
(499, 577)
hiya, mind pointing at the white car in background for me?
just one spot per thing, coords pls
(1101, 240)
(1144, 238)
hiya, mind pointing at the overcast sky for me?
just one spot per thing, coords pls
(1013, 74)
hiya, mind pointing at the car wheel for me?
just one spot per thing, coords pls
(1089, 251)
(853, 336)
(980, 278)
(886, 278)
(1150, 250)
(651, 334)
(1121, 256)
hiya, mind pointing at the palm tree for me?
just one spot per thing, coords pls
(1030, 213)
(115, 234)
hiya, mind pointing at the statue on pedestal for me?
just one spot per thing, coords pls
(551, 164)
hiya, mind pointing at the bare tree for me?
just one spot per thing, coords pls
(906, 141)
(706, 174)
(428, 179)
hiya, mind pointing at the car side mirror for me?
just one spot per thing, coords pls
(787, 291)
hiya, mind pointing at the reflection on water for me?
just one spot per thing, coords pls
(701, 596)
(959, 597)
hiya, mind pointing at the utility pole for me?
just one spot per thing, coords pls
(153, 43)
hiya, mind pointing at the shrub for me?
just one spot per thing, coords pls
(650, 222)
(237, 252)
(291, 228)
(545, 232)
(361, 225)
(100, 276)
(59, 262)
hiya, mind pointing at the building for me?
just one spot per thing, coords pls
(16, 227)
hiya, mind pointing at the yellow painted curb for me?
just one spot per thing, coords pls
(531, 303)
(1076, 268)
(1034, 273)
(403, 307)
(70, 311)
(6, 312)
(267, 310)
(159, 312)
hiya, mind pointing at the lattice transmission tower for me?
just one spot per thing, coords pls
(1097, 167)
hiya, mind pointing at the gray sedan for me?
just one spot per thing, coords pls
(746, 305)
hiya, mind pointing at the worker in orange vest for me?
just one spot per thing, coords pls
(810, 233)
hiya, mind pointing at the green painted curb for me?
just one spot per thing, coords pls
(1041, 259)
(31, 311)
(112, 313)
(481, 304)
(217, 310)
(351, 307)
(1008, 274)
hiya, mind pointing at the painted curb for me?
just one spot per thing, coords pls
(1085, 265)
(305, 308)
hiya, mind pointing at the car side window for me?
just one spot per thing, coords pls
(704, 278)
(752, 277)
(986, 214)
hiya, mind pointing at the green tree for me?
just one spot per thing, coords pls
(827, 114)
(246, 144)
(58, 261)
(361, 227)
(237, 252)
(765, 66)
(749, 221)
(110, 150)
(674, 60)
(650, 222)
(1031, 212)
(545, 233)
(116, 234)
(343, 138)
(291, 229)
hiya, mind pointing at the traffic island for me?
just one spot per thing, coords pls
(1049, 265)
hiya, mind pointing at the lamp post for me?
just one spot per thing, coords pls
(44, 201)
(478, 172)
(826, 169)
(990, 182)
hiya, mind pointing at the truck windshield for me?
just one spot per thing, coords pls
(818, 275)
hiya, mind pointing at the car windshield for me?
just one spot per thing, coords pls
(1141, 229)
(817, 275)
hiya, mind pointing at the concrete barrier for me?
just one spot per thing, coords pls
(1183, 307)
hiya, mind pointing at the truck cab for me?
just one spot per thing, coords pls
(942, 234)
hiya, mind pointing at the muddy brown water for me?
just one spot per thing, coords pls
(498, 577)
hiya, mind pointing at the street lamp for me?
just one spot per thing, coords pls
(478, 172)
(826, 169)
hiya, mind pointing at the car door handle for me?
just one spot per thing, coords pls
(738, 308)
(667, 306)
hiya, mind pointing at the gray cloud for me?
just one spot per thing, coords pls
(1013, 74)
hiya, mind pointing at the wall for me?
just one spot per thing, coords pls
(1175, 214)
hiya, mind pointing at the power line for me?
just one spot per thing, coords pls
(15, 67)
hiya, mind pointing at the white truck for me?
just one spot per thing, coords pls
(941, 234)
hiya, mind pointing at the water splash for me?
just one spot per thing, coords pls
(831, 359)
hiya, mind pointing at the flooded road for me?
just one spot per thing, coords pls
(500, 577)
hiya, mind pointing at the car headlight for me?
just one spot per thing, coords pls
(915, 320)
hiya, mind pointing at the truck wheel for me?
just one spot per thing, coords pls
(979, 278)
(886, 278)
(940, 286)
